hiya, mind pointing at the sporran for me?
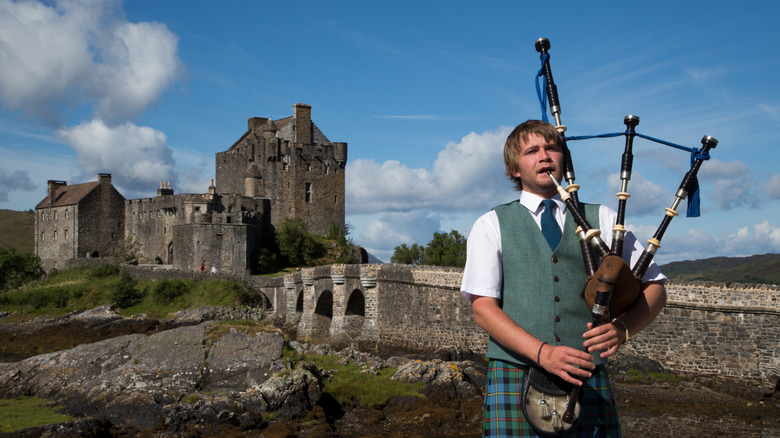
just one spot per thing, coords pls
(544, 400)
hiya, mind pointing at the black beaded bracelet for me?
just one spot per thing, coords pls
(539, 353)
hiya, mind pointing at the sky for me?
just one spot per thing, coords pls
(424, 93)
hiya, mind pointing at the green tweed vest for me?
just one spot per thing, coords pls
(542, 289)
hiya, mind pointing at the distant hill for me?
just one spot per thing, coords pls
(764, 269)
(17, 230)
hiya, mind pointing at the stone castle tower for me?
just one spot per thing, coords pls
(291, 163)
(277, 170)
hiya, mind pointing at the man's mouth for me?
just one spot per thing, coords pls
(546, 169)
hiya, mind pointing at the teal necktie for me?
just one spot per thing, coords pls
(550, 228)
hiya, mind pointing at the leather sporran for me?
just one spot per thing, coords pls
(544, 400)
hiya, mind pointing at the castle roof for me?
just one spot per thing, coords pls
(68, 195)
(285, 130)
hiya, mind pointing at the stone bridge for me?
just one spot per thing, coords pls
(706, 328)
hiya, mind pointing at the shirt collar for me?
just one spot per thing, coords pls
(533, 202)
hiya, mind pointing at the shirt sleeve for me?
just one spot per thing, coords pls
(632, 248)
(482, 274)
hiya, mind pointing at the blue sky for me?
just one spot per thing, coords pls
(424, 93)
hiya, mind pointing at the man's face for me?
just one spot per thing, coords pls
(537, 156)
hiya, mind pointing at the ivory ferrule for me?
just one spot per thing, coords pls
(670, 212)
(652, 245)
(622, 195)
(572, 188)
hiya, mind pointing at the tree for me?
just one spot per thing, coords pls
(125, 293)
(445, 249)
(408, 255)
(16, 268)
(295, 243)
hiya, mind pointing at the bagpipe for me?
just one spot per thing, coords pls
(612, 286)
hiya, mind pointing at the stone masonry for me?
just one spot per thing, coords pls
(706, 329)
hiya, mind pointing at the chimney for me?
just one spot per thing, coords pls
(303, 127)
(104, 178)
(53, 186)
(255, 123)
(163, 191)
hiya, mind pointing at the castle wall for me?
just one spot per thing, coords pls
(56, 235)
(100, 221)
(226, 246)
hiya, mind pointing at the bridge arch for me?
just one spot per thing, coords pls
(323, 315)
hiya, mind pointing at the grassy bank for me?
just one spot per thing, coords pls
(88, 287)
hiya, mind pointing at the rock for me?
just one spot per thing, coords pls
(135, 380)
(446, 380)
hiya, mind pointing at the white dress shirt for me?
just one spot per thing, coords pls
(482, 275)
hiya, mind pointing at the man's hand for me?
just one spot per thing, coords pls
(567, 363)
(605, 338)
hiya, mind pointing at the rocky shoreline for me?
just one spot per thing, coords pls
(184, 378)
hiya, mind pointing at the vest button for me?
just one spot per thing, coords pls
(557, 339)
(556, 279)
(557, 319)
(555, 259)
(557, 299)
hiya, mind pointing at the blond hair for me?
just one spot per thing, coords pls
(513, 146)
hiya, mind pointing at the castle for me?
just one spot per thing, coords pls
(277, 170)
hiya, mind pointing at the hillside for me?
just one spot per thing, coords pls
(17, 230)
(764, 268)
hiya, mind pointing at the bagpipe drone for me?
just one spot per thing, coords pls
(612, 286)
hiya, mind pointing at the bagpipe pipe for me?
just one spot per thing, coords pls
(612, 286)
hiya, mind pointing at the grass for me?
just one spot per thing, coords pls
(636, 376)
(349, 385)
(88, 287)
(22, 412)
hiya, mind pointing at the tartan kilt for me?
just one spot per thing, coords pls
(503, 416)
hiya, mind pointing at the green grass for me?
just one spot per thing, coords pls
(351, 386)
(637, 376)
(86, 288)
(22, 412)
(18, 230)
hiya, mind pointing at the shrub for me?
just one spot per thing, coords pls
(105, 271)
(165, 291)
(16, 269)
(126, 295)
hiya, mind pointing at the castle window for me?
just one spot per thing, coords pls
(308, 167)
(66, 235)
(55, 235)
(66, 214)
(43, 235)
(285, 167)
(55, 215)
(326, 169)
(309, 192)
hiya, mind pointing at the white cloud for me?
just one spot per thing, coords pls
(82, 52)
(137, 156)
(646, 196)
(465, 175)
(761, 238)
(773, 186)
(729, 184)
(143, 62)
(383, 232)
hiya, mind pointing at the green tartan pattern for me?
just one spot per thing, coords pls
(503, 416)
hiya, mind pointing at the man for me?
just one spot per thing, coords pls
(528, 296)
